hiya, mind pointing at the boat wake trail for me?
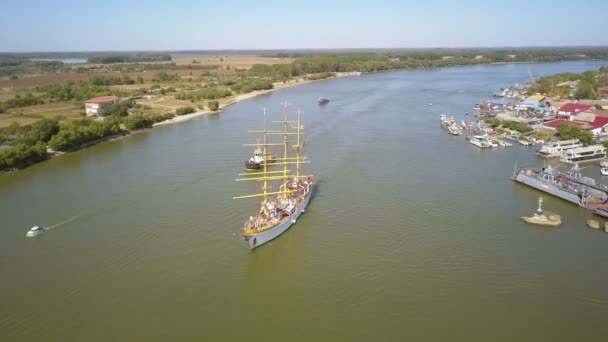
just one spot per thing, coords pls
(64, 222)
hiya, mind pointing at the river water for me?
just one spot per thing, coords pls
(411, 233)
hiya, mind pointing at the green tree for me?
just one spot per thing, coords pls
(568, 131)
(184, 110)
(138, 121)
(213, 105)
(42, 130)
(585, 90)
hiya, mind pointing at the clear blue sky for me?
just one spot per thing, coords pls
(62, 25)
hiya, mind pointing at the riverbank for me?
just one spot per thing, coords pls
(182, 118)
(243, 97)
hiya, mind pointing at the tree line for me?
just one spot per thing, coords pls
(587, 84)
(28, 143)
(111, 59)
(205, 94)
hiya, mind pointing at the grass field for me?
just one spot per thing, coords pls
(27, 115)
(189, 79)
(166, 103)
(234, 61)
(227, 64)
(33, 81)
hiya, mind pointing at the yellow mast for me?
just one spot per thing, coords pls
(285, 146)
(284, 175)
(298, 148)
(265, 186)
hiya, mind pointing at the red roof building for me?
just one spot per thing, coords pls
(96, 105)
(573, 109)
(599, 122)
(555, 123)
(102, 99)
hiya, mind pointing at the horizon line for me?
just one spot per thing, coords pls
(318, 49)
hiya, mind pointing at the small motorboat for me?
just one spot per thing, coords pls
(541, 219)
(430, 104)
(35, 231)
(604, 168)
(323, 100)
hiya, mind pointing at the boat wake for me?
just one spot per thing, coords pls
(64, 222)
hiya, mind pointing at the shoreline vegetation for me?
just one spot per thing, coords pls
(29, 159)
(42, 101)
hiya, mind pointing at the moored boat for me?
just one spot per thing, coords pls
(604, 168)
(554, 149)
(541, 219)
(480, 141)
(571, 186)
(454, 130)
(583, 154)
(323, 100)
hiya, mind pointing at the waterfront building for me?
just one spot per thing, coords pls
(536, 102)
(569, 111)
(596, 124)
(96, 105)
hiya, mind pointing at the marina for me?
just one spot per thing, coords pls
(407, 226)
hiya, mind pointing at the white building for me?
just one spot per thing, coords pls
(95, 105)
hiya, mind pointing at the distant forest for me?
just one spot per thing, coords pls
(306, 61)
(111, 59)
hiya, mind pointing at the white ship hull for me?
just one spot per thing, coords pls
(256, 240)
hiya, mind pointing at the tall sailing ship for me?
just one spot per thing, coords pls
(285, 195)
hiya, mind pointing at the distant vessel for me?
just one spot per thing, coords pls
(35, 231)
(541, 219)
(323, 100)
(480, 141)
(284, 201)
(446, 121)
(583, 154)
(571, 186)
(554, 149)
(454, 130)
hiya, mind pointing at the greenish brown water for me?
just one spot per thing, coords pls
(411, 234)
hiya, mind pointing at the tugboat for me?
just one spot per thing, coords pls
(35, 231)
(541, 219)
(285, 200)
(323, 100)
(256, 161)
